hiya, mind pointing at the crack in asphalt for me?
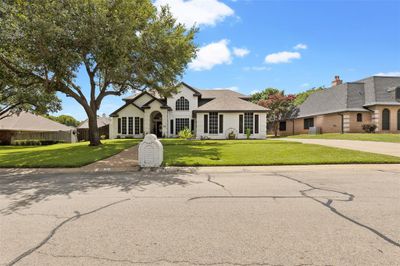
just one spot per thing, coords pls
(329, 202)
(163, 260)
(255, 197)
(54, 230)
(218, 184)
(41, 214)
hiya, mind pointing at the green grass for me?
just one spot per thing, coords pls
(261, 152)
(61, 155)
(353, 136)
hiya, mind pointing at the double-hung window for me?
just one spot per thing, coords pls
(137, 125)
(124, 125)
(130, 125)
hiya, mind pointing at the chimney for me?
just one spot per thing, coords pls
(337, 81)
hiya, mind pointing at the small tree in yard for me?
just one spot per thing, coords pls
(121, 45)
(280, 107)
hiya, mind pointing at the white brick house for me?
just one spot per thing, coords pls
(208, 113)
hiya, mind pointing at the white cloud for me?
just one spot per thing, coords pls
(254, 92)
(282, 57)
(199, 12)
(213, 54)
(240, 52)
(389, 74)
(232, 88)
(300, 46)
(257, 68)
(305, 85)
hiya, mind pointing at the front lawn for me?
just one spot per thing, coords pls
(61, 155)
(353, 136)
(261, 152)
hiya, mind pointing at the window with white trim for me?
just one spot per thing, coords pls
(182, 104)
(137, 125)
(123, 125)
(130, 125)
(213, 126)
(181, 123)
(248, 122)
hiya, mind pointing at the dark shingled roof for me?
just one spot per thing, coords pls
(351, 96)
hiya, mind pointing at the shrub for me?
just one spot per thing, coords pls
(35, 142)
(185, 134)
(369, 128)
(248, 133)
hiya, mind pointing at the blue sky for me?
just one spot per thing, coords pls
(292, 45)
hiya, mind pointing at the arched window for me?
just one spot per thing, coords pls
(182, 104)
(359, 117)
(398, 94)
(398, 119)
(385, 119)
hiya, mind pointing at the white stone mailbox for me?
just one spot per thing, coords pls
(150, 151)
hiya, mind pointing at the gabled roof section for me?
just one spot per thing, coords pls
(162, 103)
(196, 92)
(351, 96)
(140, 94)
(130, 102)
(29, 122)
(226, 101)
(212, 94)
(101, 122)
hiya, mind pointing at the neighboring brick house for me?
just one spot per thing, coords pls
(207, 113)
(345, 107)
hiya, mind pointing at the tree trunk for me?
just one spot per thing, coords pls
(94, 136)
(276, 128)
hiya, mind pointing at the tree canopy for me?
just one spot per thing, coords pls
(122, 45)
(302, 96)
(280, 107)
(15, 98)
(263, 95)
(64, 119)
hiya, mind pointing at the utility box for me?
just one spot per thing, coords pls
(150, 152)
(314, 131)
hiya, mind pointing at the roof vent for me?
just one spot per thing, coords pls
(337, 81)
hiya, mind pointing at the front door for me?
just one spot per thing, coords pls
(159, 129)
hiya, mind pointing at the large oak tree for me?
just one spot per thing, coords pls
(121, 44)
(24, 95)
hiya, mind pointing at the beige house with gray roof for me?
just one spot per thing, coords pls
(210, 114)
(345, 107)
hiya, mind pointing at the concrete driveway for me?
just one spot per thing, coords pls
(301, 215)
(367, 146)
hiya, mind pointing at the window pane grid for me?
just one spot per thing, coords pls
(213, 123)
(248, 122)
(181, 123)
(137, 125)
(123, 125)
(130, 125)
(182, 104)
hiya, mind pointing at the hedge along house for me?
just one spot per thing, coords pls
(213, 114)
(346, 107)
(27, 126)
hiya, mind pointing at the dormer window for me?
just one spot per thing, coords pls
(182, 104)
(398, 94)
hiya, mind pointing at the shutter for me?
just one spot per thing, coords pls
(240, 124)
(119, 125)
(171, 127)
(256, 124)
(205, 123)
(221, 124)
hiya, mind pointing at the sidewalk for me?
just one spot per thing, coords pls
(386, 148)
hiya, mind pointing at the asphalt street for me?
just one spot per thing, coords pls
(300, 215)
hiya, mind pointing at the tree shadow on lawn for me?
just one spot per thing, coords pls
(61, 155)
(25, 189)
